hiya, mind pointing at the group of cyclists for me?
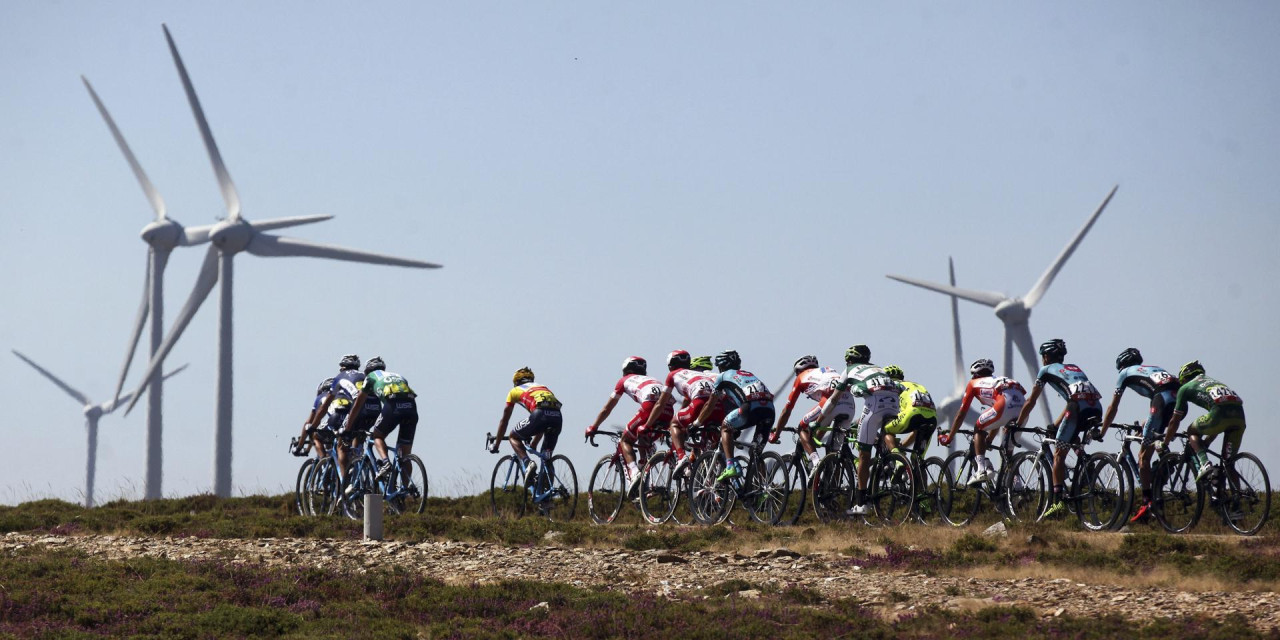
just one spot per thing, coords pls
(894, 411)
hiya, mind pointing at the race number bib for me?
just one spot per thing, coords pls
(1083, 391)
(922, 400)
(1223, 395)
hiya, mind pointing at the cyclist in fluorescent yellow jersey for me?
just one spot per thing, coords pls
(917, 416)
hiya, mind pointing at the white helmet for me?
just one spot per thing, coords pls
(982, 367)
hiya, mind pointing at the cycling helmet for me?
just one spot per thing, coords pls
(857, 354)
(678, 359)
(1054, 349)
(1128, 358)
(349, 361)
(700, 363)
(1189, 371)
(893, 371)
(804, 363)
(982, 367)
(374, 364)
(522, 375)
(324, 386)
(726, 360)
(635, 364)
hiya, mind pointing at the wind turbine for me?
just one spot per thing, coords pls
(229, 237)
(92, 412)
(947, 410)
(162, 236)
(1015, 312)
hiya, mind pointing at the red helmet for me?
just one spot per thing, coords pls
(678, 359)
(635, 364)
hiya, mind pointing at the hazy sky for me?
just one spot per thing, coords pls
(602, 180)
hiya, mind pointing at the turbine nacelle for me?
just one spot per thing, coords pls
(162, 234)
(1013, 310)
(231, 236)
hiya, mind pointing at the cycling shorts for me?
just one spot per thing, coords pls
(842, 413)
(687, 415)
(1079, 416)
(920, 423)
(1223, 418)
(397, 412)
(634, 431)
(877, 410)
(1005, 408)
(545, 421)
(753, 414)
(1161, 412)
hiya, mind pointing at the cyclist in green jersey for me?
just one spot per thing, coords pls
(1225, 415)
(399, 409)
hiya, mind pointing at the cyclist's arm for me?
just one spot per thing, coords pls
(314, 420)
(709, 407)
(786, 411)
(502, 425)
(1031, 404)
(604, 413)
(964, 411)
(663, 399)
(1111, 411)
(832, 401)
(355, 408)
(1174, 422)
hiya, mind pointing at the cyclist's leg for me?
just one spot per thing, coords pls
(524, 432)
(1161, 412)
(806, 428)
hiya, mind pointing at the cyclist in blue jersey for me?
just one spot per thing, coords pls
(1083, 406)
(1159, 386)
(752, 404)
(336, 405)
(321, 392)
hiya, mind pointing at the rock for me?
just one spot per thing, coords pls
(783, 552)
(552, 535)
(750, 594)
(540, 605)
(1059, 611)
(997, 530)
(671, 558)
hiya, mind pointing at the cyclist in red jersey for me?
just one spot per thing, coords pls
(818, 383)
(695, 387)
(1003, 398)
(645, 391)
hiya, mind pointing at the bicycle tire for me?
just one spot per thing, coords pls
(1131, 490)
(300, 487)
(607, 490)
(769, 489)
(966, 499)
(893, 489)
(561, 489)
(1027, 487)
(657, 503)
(834, 482)
(361, 478)
(1098, 492)
(797, 488)
(1176, 498)
(323, 488)
(408, 495)
(710, 501)
(1248, 495)
(934, 490)
(507, 493)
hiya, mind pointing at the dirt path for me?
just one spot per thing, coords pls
(685, 575)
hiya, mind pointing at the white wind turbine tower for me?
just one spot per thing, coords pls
(947, 410)
(92, 412)
(1015, 312)
(229, 237)
(162, 236)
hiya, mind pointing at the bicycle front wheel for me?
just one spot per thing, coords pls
(1246, 503)
(557, 491)
(834, 482)
(893, 489)
(1027, 487)
(360, 482)
(656, 500)
(323, 488)
(408, 492)
(768, 489)
(300, 505)
(966, 496)
(607, 490)
(797, 487)
(1176, 498)
(1099, 493)
(506, 489)
(710, 501)
(933, 496)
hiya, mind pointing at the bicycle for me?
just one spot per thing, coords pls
(554, 489)
(1129, 434)
(661, 485)
(1175, 498)
(1010, 497)
(799, 476)
(761, 486)
(1238, 490)
(1094, 482)
(324, 483)
(890, 487)
(400, 492)
(607, 490)
(932, 484)
(299, 490)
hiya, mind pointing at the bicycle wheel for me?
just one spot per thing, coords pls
(300, 488)
(893, 489)
(710, 501)
(1099, 492)
(768, 489)
(656, 500)
(933, 495)
(557, 490)
(359, 483)
(408, 489)
(607, 490)
(1246, 503)
(322, 488)
(797, 487)
(966, 497)
(1027, 487)
(506, 488)
(678, 488)
(1131, 490)
(834, 482)
(1176, 498)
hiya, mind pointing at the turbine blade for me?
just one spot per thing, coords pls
(204, 284)
(1021, 336)
(196, 235)
(269, 246)
(955, 326)
(1046, 279)
(138, 323)
(153, 196)
(219, 168)
(282, 223)
(783, 387)
(54, 379)
(988, 298)
(109, 406)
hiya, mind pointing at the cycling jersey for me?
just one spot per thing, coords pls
(742, 388)
(646, 391)
(642, 389)
(816, 383)
(1206, 392)
(532, 396)
(1146, 380)
(691, 384)
(880, 398)
(914, 400)
(1082, 397)
(1002, 396)
(1226, 411)
(386, 385)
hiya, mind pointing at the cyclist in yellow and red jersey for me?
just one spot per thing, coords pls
(818, 383)
(695, 387)
(1002, 398)
(645, 391)
(544, 419)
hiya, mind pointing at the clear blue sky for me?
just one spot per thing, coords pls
(602, 180)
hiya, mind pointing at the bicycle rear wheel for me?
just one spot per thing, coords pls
(1131, 491)
(558, 490)
(1176, 498)
(361, 482)
(507, 493)
(833, 486)
(656, 500)
(1027, 487)
(407, 489)
(933, 496)
(323, 488)
(710, 501)
(893, 489)
(607, 490)
(1099, 492)
(797, 487)
(966, 498)
(768, 489)
(1246, 503)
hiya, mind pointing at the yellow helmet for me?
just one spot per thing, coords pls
(522, 375)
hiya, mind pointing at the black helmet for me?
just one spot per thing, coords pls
(857, 354)
(804, 363)
(1054, 349)
(678, 359)
(982, 367)
(1189, 371)
(324, 386)
(374, 364)
(726, 360)
(635, 364)
(1128, 358)
(349, 361)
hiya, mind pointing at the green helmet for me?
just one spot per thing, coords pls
(700, 363)
(1189, 371)
(857, 354)
(893, 371)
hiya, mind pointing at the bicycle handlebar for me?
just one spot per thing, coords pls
(616, 435)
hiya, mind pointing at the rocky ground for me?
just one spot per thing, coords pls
(684, 575)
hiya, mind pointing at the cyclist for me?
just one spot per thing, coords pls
(321, 391)
(1002, 398)
(544, 421)
(752, 407)
(917, 416)
(646, 392)
(1083, 407)
(1225, 415)
(1149, 382)
(336, 405)
(818, 383)
(696, 388)
(879, 395)
(399, 409)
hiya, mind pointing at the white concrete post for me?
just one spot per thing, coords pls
(373, 516)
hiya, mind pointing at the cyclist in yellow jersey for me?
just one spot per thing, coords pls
(544, 421)
(917, 416)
